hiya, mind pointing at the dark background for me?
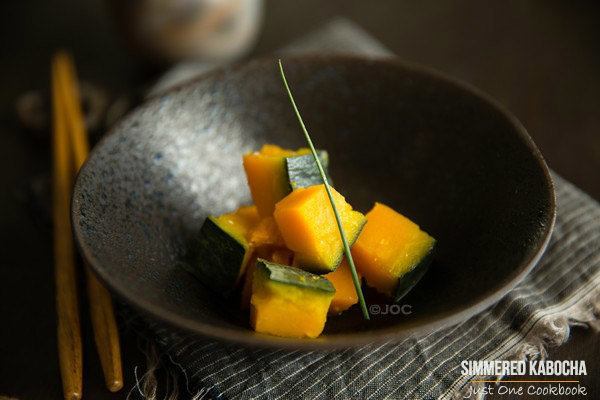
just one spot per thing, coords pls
(540, 58)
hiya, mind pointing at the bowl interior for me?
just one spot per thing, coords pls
(439, 152)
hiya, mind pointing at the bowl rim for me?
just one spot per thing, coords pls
(333, 341)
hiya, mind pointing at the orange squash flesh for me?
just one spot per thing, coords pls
(265, 242)
(277, 151)
(308, 226)
(289, 302)
(267, 177)
(260, 252)
(277, 255)
(389, 247)
(266, 233)
(345, 293)
(240, 222)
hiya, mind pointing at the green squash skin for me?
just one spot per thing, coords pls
(320, 270)
(287, 275)
(302, 171)
(410, 279)
(220, 258)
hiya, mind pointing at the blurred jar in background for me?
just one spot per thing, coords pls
(173, 30)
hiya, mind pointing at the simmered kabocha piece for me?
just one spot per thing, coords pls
(345, 292)
(392, 253)
(307, 223)
(266, 241)
(288, 301)
(224, 250)
(274, 172)
(277, 255)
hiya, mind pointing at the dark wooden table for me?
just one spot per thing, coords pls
(540, 58)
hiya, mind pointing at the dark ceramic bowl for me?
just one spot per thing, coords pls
(443, 153)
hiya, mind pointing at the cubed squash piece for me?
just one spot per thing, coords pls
(277, 255)
(266, 242)
(345, 293)
(224, 250)
(307, 223)
(288, 301)
(392, 252)
(274, 172)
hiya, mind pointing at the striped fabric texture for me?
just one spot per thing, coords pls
(559, 292)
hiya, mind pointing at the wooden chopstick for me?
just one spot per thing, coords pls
(67, 308)
(106, 333)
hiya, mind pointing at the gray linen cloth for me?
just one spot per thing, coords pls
(563, 290)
